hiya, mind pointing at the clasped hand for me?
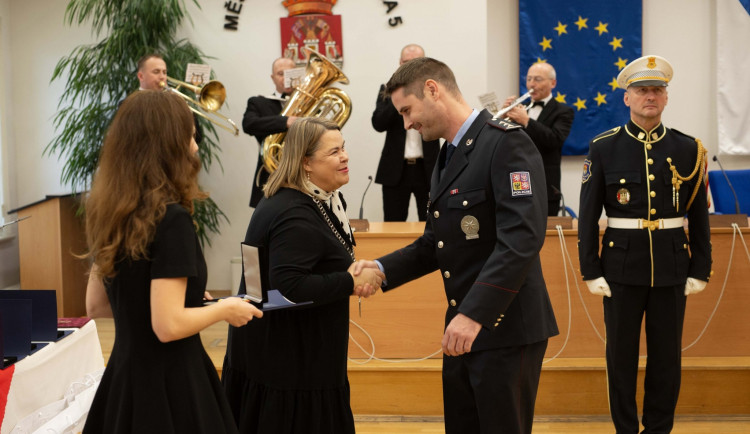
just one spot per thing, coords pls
(367, 278)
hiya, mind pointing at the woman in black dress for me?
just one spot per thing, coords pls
(286, 373)
(149, 274)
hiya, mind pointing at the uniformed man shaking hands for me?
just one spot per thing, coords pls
(648, 178)
(486, 223)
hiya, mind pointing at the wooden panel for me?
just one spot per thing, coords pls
(46, 243)
(408, 322)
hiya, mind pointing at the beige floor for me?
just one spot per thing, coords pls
(594, 425)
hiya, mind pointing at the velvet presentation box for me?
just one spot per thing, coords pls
(43, 312)
(15, 330)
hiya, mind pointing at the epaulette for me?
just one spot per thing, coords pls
(606, 134)
(683, 134)
(504, 124)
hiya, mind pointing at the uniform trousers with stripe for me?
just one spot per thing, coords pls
(664, 310)
(492, 391)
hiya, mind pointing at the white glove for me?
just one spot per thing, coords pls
(694, 286)
(599, 286)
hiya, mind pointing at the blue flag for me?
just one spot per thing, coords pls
(588, 42)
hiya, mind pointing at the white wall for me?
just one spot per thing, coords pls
(477, 38)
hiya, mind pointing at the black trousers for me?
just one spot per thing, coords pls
(664, 309)
(492, 391)
(396, 198)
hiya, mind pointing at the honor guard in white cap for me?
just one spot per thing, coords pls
(647, 178)
(645, 71)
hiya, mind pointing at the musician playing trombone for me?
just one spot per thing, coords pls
(152, 75)
(547, 122)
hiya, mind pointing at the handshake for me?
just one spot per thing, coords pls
(367, 278)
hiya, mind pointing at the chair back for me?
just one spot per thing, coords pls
(721, 195)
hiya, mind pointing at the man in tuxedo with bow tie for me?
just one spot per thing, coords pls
(547, 122)
(407, 160)
(486, 223)
(262, 118)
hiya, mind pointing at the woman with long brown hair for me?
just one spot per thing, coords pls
(150, 275)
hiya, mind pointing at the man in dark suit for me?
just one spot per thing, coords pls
(485, 226)
(407, 160)
(548, 124)
(152, 75)
(647, 177)
(263, 117)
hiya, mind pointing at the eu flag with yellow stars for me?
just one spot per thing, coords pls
(588, 42)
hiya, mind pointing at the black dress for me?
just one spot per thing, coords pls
(286, 372)
(150, 386)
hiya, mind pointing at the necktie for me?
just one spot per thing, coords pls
(449, 153)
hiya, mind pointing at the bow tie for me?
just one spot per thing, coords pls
(538, 103)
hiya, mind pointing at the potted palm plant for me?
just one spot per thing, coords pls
(98, 76)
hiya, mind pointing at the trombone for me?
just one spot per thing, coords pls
(211, 97)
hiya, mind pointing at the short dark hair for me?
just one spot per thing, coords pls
(143, 59)
(413, 74)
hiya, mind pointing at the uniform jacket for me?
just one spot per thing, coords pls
(548, 133)
(386, 118)
(260, 120)
(496, 277)
(627, 173)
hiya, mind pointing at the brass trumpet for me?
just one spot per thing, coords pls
(518, 100)
(211, 97)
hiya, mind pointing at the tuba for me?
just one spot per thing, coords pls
(312, 98)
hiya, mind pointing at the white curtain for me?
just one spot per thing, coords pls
(733, 82)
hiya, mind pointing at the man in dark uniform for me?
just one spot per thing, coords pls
(263, 117)
(548, 123)
(485, 227)
(647, 177)
(407, 161)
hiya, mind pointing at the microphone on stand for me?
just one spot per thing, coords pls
(362, 204)
(559, 193)
(360, 224)
(736, 201)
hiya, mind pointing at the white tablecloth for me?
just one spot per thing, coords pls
(43, 377)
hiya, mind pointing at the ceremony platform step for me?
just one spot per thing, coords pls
(568, 386)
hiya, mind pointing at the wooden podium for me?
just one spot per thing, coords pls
(47, 242)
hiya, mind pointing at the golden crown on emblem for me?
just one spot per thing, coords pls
(300, 7)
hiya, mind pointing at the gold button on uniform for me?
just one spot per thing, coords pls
(649, 146)
(611, 244)
(436, 214)
(453, 302)
(653, 211)
(497, 324)
(651, 177)
(684, 246)
(466, 202)
(447, 274)
(653, 194)
(650, 161)
(440, 244)
(622, 180)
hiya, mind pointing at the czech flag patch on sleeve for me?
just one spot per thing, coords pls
(520, 184)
